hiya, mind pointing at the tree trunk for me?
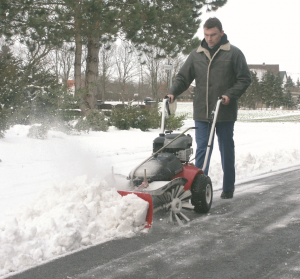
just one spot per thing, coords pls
(103, 78)
(154, 85)
(77, 64)
(92, 63)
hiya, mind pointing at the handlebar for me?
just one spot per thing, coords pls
(167, 104)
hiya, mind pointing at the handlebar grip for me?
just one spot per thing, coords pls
(167, 104)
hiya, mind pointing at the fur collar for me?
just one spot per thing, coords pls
(225, 47)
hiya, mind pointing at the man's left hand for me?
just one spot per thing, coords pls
(225, 100)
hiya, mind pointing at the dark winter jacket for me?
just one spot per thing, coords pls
(226, 73)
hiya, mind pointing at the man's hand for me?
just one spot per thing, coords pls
(225, 100)
(171, 97)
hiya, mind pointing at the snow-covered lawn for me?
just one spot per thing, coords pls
(269, 115)
(55, 200)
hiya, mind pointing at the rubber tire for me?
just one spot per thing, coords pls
(198, 190)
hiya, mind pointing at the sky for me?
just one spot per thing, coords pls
(266, 31)
(56, 199)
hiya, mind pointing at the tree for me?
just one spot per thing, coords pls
(176, 63)
(107, 59)
(289, 83)
(267, 89)
(154, 70)
(9, 84)
(63, 60)
(252, 96)
(278, 92)
(168, 25)
(126, 65)
(298, 83)
(288, 100)
(43, 22)
(298, 100)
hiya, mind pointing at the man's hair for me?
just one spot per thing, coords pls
(213, 22)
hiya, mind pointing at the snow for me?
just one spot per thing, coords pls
(56, 198)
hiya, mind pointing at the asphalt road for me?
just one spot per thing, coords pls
(254, 235)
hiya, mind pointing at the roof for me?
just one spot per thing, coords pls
(282, 74)
(265, 67)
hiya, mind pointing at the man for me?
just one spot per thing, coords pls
(219, 70)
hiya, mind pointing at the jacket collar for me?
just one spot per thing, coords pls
(225, 47)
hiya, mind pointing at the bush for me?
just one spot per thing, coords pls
(20, 115)
(122, 118)
(175, 122)
(3, 122)
(62, 126)
(135, 117)
(144, 119)
(38, 132)
(94, 120)
(147, 118)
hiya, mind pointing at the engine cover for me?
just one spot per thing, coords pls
(183, 142)
(162, 167)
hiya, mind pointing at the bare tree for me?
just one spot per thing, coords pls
(154, 73)
(106, 68)
(176, 63)
(126, 64)
(62, 59)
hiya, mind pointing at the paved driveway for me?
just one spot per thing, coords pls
(254, 235)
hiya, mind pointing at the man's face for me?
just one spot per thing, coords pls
(213, 36)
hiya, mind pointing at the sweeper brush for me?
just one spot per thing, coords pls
(168, 178)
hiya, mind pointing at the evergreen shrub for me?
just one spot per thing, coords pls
(122, 118)
(38, 132)
(20, 115)
(55, 103)
(135, 117)
(148, 118)
(3, 122)
(175, 122)
(94, 120)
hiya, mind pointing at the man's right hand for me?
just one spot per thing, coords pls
(225, 100)
(171, 97)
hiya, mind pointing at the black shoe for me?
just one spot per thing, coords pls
(227, 194)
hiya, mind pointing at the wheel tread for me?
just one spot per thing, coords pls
(198, 190)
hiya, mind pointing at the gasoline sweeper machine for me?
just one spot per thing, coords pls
(168, 179)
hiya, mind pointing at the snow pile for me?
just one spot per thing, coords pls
(260, 148)
(67, 217)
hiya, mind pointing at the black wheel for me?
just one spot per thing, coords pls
(202, 193)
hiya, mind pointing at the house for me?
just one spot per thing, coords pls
(283, 76)
(295, 91)
(71, 86)
(261, 69)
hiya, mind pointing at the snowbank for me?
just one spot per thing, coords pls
(67, 217)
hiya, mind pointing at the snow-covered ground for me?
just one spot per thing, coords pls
(55, 199)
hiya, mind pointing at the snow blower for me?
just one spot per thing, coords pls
(169, 177)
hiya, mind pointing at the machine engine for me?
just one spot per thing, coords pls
(165, 165)
(181, 147)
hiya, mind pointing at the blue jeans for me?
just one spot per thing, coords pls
(224, 131)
